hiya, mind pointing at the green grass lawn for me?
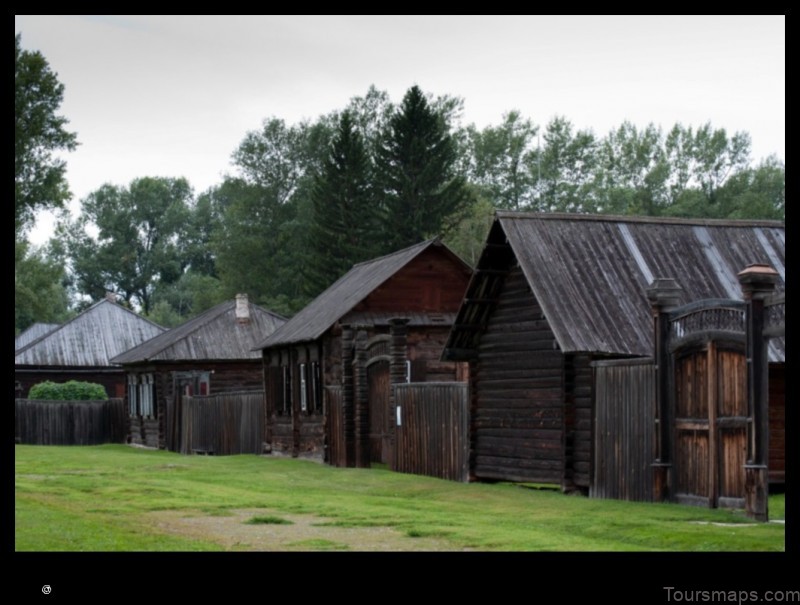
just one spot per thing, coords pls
(103, 498)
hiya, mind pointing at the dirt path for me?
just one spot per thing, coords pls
(232, 532)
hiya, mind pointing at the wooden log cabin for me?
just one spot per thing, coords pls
(552, 294)
(327, 370)
(209, 354)
(82, 348)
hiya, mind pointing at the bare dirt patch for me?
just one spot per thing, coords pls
(232, 532)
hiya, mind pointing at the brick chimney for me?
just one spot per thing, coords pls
(242, 309)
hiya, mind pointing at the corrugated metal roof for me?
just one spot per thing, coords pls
(33, 332)
(349, 290)
(214, 334)
(93, 338)
(590, 272)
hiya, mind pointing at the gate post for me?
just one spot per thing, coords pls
(663, 295)
(361, 401)
(348, 416)
(398, 328)
(758, 282)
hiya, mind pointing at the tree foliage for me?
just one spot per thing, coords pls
(261, 240)
(346, 221)
(503, 161)
(39, 180)
(306, 201)
(416, 173)
(40, 294)
(142, 238)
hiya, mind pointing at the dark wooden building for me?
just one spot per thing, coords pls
(82, 349)
(552, 296)
(327, 370)
(209, 354)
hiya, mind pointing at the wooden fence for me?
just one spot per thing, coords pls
(223, 424)
(624, 429)
(432, 431)
(40, 422)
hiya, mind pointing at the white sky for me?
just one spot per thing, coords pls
(175, 95)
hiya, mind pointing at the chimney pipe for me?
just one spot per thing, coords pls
(242, 309)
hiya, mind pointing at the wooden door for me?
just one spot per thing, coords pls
(379, 390)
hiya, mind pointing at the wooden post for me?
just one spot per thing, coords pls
(347, 396)
(361, 401)
(758, 282)
(663, 295)
(297, 418)
(266, 447)
(398, 350)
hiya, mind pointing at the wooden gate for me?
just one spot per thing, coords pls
(432, 433)
(378, 391)
(707, 342)
(624, 440)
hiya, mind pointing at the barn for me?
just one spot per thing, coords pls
(556, 299)
(328, 370)
(208, 354)
(82, 349)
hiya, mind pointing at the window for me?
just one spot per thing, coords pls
(310, 388)
(286, 403)
(192, 383)
(142, 395)
(303, 389)
(316, 388)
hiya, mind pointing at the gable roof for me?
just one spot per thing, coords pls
(354, 286)
(93, 338)
(590, 273)
(214, 334)
(32, 333)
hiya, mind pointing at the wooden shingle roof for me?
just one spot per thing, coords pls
(213, 335)
(91, 339)
(590, 273)
(32, 333)
(354, 286)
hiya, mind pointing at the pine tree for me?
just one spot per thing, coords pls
(344, 226)
(416, 166)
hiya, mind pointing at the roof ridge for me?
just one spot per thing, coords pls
(663, 220)
(390, 254)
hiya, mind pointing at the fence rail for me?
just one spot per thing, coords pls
(223, 424)
(40, 422)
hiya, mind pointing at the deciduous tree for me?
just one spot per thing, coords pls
(39, 179)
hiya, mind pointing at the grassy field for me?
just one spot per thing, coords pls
(119, 498)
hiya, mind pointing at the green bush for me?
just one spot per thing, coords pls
(71, 390)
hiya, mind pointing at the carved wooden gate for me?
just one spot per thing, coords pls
(379, 389)
(707, 343)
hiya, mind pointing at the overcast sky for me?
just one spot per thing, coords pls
(174, 96)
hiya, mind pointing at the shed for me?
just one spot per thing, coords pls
(553, 293)
(211, 353)
(327, 370)
(82, 349)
